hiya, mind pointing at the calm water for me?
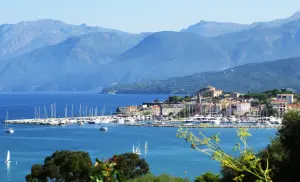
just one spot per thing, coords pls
(31, 144)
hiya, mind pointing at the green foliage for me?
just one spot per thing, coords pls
(259, 96)
(289, 138)
(146, 113)
(160, 178)
(208, 177)
(174, 99)
(104, 171)
(156, 100)
(170, 114)
(129, 166)
(62, 166)
(274, 92)
(209, 145)
(187, 98)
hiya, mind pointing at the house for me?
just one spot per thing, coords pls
(242, 108)
(210, 91)
(156, 110)
(131, 110)
(280, 106)
(287, 97)
(255, 111)
(235, 95)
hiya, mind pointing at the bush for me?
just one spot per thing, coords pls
(160, 178)
(208, 177)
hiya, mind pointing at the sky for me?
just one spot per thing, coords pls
(146, 15)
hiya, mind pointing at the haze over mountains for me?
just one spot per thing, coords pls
(49, 55)
(251, 77)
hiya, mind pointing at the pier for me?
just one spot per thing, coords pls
(202, 126)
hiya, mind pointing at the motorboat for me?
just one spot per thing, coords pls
(80, 123)
(232, 119)
(91, 122)
(9, 130)
(129, 120)
(102, 128)
(120, 121)
(216, 121)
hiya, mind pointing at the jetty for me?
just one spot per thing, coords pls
(202, 126)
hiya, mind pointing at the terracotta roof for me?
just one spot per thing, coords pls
(279, 101)
(294, 106)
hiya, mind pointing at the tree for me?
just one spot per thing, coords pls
(170, 114)
(208, 177)
(289, 138)
(63, 166)
(130, 166)
(174, 99)
(156, 100)
(187, 98)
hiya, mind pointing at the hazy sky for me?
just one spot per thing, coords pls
(146, 15)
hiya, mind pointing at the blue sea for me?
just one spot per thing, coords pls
(30, 144)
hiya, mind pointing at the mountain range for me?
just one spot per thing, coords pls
(49, 55)
(253, 77)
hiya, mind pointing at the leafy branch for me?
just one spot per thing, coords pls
(210, 147)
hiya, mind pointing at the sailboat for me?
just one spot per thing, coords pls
(6, 129)
(146, 147)
(136, 150)
(8, 157)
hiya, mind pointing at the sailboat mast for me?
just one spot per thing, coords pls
(39, 112)
(86, 111)
(54, 110)
(72, 112)
(66, 111)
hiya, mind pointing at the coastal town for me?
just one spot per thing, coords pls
(208, 106)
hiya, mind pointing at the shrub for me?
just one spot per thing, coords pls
(208, 177)
(160, 178)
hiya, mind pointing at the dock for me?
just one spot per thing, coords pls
(202, 126)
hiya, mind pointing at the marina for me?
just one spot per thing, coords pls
(92, 117)
(36, 138)
(266, 122)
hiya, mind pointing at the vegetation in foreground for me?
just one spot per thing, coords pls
(278, 162)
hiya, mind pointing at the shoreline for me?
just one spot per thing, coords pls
(166, 125)
(200, 126)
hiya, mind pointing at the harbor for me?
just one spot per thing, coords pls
(139, 121)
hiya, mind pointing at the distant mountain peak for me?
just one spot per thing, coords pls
(296, 15)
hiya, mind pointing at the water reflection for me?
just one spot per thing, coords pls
(8, 167)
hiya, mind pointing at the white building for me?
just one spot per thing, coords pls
(287, 97)
(243, 108)
(280, 106)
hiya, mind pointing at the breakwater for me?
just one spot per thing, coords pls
(203, 126)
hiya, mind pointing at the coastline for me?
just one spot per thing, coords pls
(201, 126)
